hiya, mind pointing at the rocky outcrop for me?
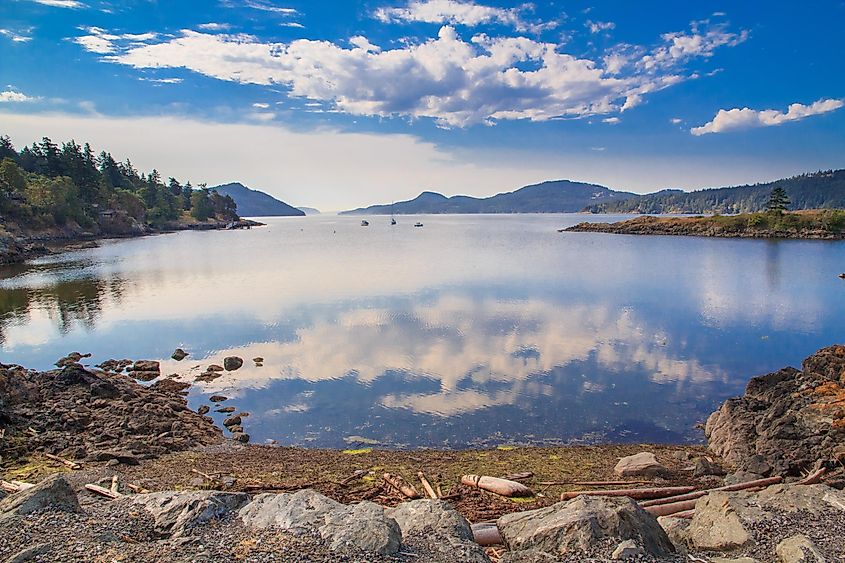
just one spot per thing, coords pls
(79, 414)
(443, 528)
(52, 493)
(787, 420)
(583, 526)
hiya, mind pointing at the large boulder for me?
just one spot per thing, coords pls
(583, 526)
(786, 420)
(232, 363)
(798, 549)
(53, 493)
(643, 464)
(176, 512)
(361, 527)
(439, 527)
(727, 521)
(290, 512)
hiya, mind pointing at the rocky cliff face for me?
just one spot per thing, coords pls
(786, 421)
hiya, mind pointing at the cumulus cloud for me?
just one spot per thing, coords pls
(10, 96)
(455, 81)
(214, 26)
(745, 118)
(461, 12)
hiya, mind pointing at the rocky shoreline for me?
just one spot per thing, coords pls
(176, 490)
(737, 226)
(17, 245)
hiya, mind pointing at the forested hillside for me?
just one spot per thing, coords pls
(47, 186)
(818, 190)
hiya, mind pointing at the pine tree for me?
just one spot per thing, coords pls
(778, 201)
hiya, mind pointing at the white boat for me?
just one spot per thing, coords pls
(365, 223)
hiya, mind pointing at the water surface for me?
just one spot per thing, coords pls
(471, 331)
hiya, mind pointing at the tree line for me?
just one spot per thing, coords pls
(824, 189)
(46, 185)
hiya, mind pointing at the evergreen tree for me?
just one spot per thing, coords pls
(778, 201)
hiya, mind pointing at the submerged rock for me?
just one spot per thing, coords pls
(232, 363)
(179, 355)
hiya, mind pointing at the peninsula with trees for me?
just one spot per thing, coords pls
(54, 194)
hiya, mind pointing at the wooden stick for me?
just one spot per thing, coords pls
(398, 483)
(137, 489)
(813, 478)
(685, 514)
(439, 492)
(502, 487)
(595, 483)
(655, 492)
(698, 494)
(114, 484)
(519, 476)
(356, 475)
(671, 508)
(12, 487)
(71, 464)
(103, 491)
(426, 485)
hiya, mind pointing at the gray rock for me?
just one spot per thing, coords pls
(758, 464)
(643, 464)
(704, 466)
(628, 549)
(29, 553)
(241, 437)
(528, 556)
(677, 529)
(179, 355)
(292, 512)
(362, 527)
(53, 493)
(717, 524)
(232, 363)
(446, 530)
(741, 477)
(176, 512)
(203, 409)
(732, 560)
(232, 421)
(798, 549)
(577, 526)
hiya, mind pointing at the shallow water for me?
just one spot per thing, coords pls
(473, 330)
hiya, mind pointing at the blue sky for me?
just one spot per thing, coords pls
(339, 104)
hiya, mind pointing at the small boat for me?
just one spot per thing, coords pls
(365, 223)
(418, 224)
(392, 221)
(842, 275)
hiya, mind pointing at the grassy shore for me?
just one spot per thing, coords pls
(826, 224)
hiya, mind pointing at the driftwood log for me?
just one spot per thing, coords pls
(401, 485)
(698, 494)
(636, 494)
(486, 533)
(63, 461)
(102, 491)
(496, 485)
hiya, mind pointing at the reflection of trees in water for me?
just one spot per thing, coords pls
(67, 302)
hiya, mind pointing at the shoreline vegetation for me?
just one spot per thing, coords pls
(52, 195)
(818, 224)
(82, 445)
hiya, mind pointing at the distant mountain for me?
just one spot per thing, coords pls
(819, 190)
(252, 203)
(309, 210)
(558, 196)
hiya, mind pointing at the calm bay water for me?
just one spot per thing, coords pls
(474, 330)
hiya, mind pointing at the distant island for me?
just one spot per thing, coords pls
(817, 190)
(828, 224)
(254, 203)
(558, 196)
(309, 210)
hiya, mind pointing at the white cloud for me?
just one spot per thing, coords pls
(679, 47)
(454, 81)
(262, 5)
(75, 4)
(675, 120)
(19, 36)
(162, 80)
(10, 96)
(745, 118)
(611, 120)
(260, 105)
(598, 27)
(213, 26)
(461, 12)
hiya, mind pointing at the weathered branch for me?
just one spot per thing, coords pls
(398, 483)
(496, 485)
(656, 492)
